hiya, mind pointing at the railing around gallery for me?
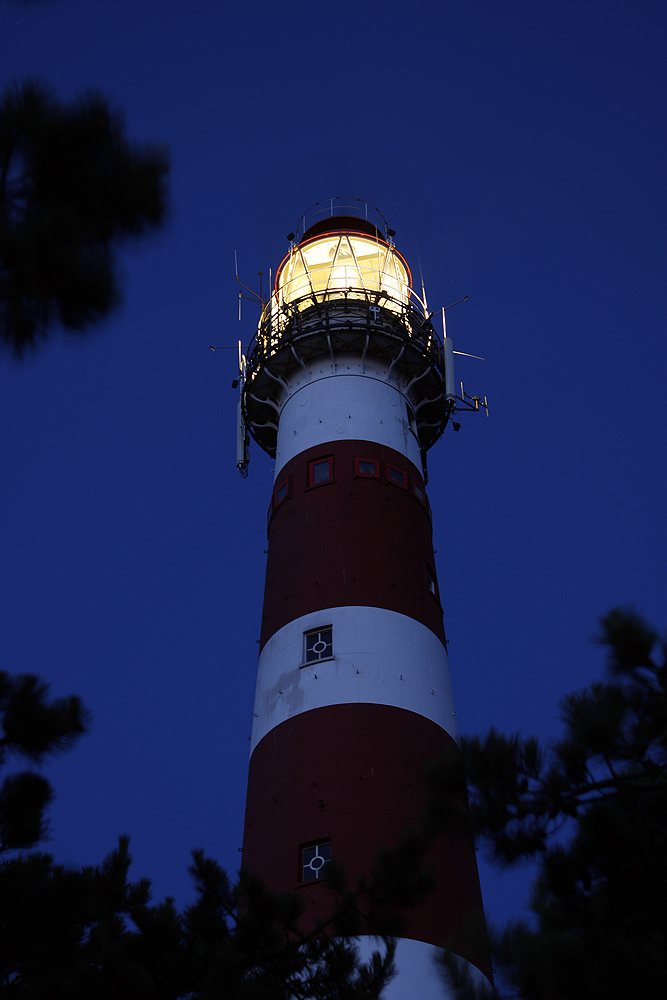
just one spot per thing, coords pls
(283, 323)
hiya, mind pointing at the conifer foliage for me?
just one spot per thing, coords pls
(592, 809)
(75, 934)
(94, 933)
(32, 729)
(72, 189)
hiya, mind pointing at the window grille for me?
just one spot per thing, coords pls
(318, 645)
(315, 860)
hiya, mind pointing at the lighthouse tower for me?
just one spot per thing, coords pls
(347, 385)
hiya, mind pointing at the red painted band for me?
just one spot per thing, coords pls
(352, 775)
(351, 541)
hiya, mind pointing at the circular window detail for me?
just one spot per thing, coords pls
(318, 645)
(315, 860)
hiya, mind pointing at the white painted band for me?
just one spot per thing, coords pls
(380, 657)
(350, 401)
(419, 973)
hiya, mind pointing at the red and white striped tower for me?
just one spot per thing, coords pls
(347, 385)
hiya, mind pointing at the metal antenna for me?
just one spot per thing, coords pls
(242, 435)
(466, 402)
(421, 275)
(444, 330)
(472, 402)
(255, 296)
(464, 299)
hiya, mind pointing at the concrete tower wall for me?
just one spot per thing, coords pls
(344, 399)
(353, 689)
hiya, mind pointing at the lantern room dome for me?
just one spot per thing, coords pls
(347, 223)
(334, 214)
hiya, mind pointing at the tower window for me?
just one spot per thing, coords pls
(314, 861)
(419, 493)
(432, 583)
(318, 645)
(281, 492)
(396, 476)
(320, 471)
(367, 467)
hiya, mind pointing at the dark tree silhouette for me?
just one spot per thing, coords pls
(72, 189)
(76, 934)
(591, 808)
(32, 728)
(93, 933)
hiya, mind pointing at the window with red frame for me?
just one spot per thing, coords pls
(320, 471)
(368, 468)
(281, 492)
(419, 493)
(397, 476)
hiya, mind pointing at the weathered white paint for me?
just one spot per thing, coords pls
(344, 401)
(380, 658)
(419, 976)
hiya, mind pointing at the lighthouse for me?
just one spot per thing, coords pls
(347, 386)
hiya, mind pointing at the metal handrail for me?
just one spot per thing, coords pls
(283, 322)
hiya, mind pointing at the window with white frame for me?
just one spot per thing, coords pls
(318, 645)
(314, 861)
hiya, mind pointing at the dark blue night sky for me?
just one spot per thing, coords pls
(519, 150)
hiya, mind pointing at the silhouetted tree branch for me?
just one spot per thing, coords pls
(73, 188)
(72, 935)
(31, 727)
(590, 808)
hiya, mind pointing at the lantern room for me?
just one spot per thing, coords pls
(342, 261)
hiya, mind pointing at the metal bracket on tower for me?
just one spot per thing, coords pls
(470, 404)
(463, 403)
